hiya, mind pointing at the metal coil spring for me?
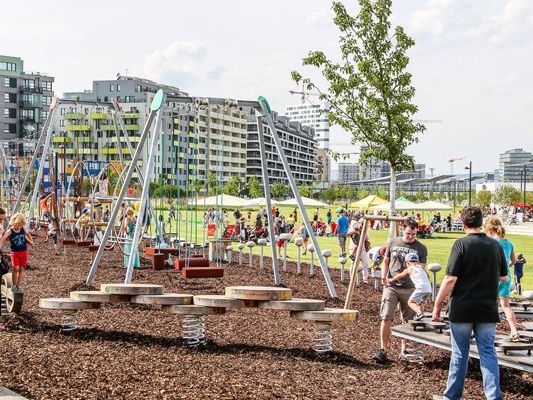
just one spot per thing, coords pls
(3, 307)
(323, 341)
(414, 355)
(69, 321)
(342, 272)
(193, 330)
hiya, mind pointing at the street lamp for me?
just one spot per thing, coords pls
(469, 168)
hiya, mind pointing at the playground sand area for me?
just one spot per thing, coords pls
(127, 351)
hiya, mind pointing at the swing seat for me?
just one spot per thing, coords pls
(194, 262)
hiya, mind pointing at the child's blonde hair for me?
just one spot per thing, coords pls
(17, 219)
(130, 211)
(494, 224)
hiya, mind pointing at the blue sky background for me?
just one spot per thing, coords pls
(472, 62)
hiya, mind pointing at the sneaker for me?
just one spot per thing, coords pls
(380, 357)
(513, 337)
(15, 289)
(352, 257)
(403, 356)
(418, 317)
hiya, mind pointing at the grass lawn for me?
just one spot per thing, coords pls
(438, 248)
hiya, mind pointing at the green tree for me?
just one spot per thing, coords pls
(233, 186)
(370, 91)
(361, 194)
(506, 195)
(279, 190)
(483, 198)
(254, 187)
(305, 190)
(212, 184)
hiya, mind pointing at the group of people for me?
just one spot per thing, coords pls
(477, 280)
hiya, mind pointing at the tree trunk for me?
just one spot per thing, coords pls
(392, 208)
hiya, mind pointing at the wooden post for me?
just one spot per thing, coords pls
(355, 264)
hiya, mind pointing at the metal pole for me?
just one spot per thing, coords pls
(122, 194)
(42, 137)
(470, 184)
(268, 116)
(145, 193)
(355, 265)
(266, 187)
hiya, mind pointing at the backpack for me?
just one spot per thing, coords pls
(5, 264)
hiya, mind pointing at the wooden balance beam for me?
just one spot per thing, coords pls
(518, 360)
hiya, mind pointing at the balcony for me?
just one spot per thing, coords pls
(25, 89)
(133, 115)
(98, 116)
(28, 104)
(77, 128)
(84, 139)
(61, 139)
(73, 116)
(107, 128)
(132, 127)
(113, 151)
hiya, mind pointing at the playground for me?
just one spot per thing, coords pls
(136, 351)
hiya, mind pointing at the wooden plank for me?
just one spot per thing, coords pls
(441, 341)
(193, 310)
(326, 315)
(164, 299)
(294, 304)
(213, 300)
(264, 293)
(65, 303)
(133, 289)
(94, 296)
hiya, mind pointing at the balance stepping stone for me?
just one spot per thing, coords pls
(65, 303)
(163, 299)
(193, 310)
(526, 335)
(264, 293)
(132, 289)
(326, 315)
(202, 272)
(528, 326)
(94, 296)
(293, 305)
(524, 304)
(514, 346)
(220, 301)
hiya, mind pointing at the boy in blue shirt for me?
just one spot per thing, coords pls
(519, 272)
(342, 230)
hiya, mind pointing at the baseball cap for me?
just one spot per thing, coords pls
(85, 210)
(411, 257)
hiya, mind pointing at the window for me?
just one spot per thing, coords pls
(111, 88)
(138, 88)
(129, 99)
(10, 128)
(10, 97)
(28, 114)
(46, 85)
(8, 66)
(47, 100)
(118, 88)
(10, 112)
(6, 82)
(6, 112)
(44, 115)
(29, 83)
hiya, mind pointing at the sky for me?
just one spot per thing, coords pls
(471, 64)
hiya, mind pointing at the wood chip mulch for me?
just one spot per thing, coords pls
(136, 352)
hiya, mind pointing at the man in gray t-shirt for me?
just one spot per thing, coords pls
(400, 290)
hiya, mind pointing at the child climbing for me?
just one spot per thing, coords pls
(19, 239)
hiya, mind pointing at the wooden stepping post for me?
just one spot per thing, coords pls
(264, 293)
(299, 243)
(132, 289)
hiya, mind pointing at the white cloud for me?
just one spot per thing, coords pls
(430, 19)
(181, 62)
(322, 17)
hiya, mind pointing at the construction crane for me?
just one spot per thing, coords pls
(304, 93)
(452, 160)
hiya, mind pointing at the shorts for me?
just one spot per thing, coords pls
(504, 288)
(419, 297)
(19, 258)
(389, 300)
(342, 239)
(53, 236)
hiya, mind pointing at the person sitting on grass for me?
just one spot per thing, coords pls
(420, 279)
(19, 240)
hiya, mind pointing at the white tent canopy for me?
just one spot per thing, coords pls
(306, 200)
(260, 201)
(221, 200)
(399, 205)
(433, 205)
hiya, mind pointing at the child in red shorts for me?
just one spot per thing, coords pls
(19, 240)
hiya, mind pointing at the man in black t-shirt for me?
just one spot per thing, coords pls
(475, 267)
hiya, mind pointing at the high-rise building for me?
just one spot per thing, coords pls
(314, 116)
(298, 143)
(348, 173)
(511, 164)
(25, 98)
(323, 173)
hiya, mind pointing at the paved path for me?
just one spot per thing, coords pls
(521, 229)
(6, 394)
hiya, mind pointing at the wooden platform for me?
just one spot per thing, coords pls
(164, 299)
(518, 360)
(520, 313)
(213, 300)
(14, 300)
(193, 310)
(326, 315)
(293, 305)
(265, 293)
(94, 296)
(131, 288)
(66, 304)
